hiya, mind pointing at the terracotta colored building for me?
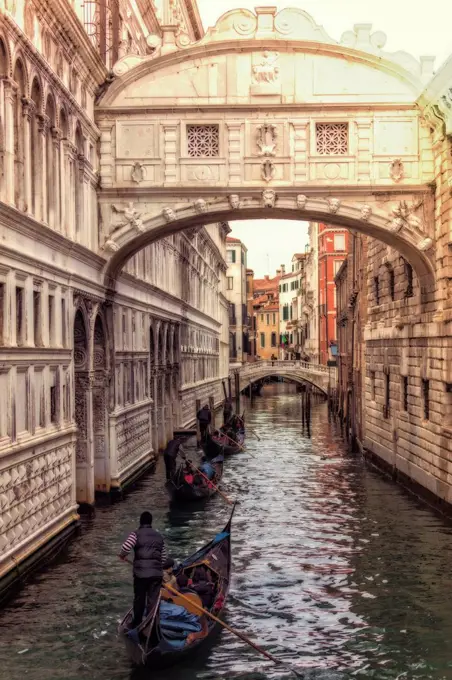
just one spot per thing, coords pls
(266, 315)
(333, 248)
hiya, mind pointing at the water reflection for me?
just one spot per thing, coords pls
(336, 570)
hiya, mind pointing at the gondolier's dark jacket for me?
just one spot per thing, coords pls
(150, 552)
(204, 416)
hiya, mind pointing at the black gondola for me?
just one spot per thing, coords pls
(195, 487)
(214, 446)
(155, 643)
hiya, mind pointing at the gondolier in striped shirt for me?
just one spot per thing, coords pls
(148, 564)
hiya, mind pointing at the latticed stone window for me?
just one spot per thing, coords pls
(332, 139)
(203, 141)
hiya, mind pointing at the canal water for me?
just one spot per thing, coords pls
(336, 570)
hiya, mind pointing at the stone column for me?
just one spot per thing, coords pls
(28, 110)
(235, 154)
(64, 195)
(41, 179)
(29, 340)
(58, 318)
(56, 141)
(69, 161)
(9, 94)
(170, 152)
(45, 331)
(106, 153)
(300, 147)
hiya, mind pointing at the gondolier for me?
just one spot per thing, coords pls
(150, 558)
(204, 417)
(173, 449)
(227, 411)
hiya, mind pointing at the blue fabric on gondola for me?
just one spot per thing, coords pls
(176, 622)
(208, 470)
(220, 537)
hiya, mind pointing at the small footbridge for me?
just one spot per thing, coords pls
(324, 378)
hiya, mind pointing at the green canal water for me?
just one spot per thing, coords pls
(335, 570)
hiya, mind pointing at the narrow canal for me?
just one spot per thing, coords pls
(336, 570)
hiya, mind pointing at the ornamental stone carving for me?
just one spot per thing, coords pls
(168, 214)
(111, 246)
(266, 139)
(234, 201)
(269, 198)
(404, 216)
(138, 174)
(301, 201)
(333, 205)
(396, 170)
(425, 244)
(266, 70)
(130, 217)
(268, 170)
(200, 205)
(366, 212)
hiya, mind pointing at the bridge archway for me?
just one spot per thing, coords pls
(287, 376)
(227, 128)
(404, 235)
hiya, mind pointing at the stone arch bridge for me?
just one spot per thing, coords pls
(319, 376)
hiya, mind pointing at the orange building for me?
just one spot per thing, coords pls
(266, 315)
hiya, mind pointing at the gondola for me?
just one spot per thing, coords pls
(159, 641)
(186, 488)
(217, 445)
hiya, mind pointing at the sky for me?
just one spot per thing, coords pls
(420, 32)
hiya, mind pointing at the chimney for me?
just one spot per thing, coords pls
(278, 272)
(283, 269)
(266, 277)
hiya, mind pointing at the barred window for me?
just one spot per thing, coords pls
(332, 139)
(203, 141)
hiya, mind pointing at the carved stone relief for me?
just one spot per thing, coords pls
(333, 205)
(266, 139)
(130, 217)
(268, 170)
(301, 201)
(138, 174)
(169, 214)
(265, 74)
(269, 198)
(234, 201)
(396, 170)
(200, 205)
(366, 212)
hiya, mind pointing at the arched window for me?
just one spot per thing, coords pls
(52, 161)
(19, 151)
(78, 184)
(35, 151)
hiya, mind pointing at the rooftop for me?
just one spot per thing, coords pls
(232, 239)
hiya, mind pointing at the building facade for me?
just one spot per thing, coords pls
(237, 296)
(92, 382)
(352, 304)
(266, 315)
(290, 289)
(332, 249)
(309, 313)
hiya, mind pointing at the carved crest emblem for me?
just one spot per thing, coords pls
(266, 139)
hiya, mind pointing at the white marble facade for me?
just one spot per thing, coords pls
(92, 383)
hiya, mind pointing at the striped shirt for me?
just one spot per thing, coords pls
(130, 543)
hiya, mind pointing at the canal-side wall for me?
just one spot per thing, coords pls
(408, 342)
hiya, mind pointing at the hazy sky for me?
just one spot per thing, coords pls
(409, 26)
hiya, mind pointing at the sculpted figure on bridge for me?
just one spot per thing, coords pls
(404, 216)
(366, 212)
(131, 217)
(234, 201)
(333, 205)
(200, 205)
(301, 201)
(269, 198)
(169, 214)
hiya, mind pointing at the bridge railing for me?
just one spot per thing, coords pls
(257, 366)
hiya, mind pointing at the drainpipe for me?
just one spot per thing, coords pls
(326, 306)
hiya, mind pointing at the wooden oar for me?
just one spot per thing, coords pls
(228, 500)
(240, 635)
(254, 432)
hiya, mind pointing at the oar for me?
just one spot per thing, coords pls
(243, 637)
(237, 444)
(228, 500)
(254, 432)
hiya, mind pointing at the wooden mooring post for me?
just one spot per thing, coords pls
(212, 410)
(198, 429)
